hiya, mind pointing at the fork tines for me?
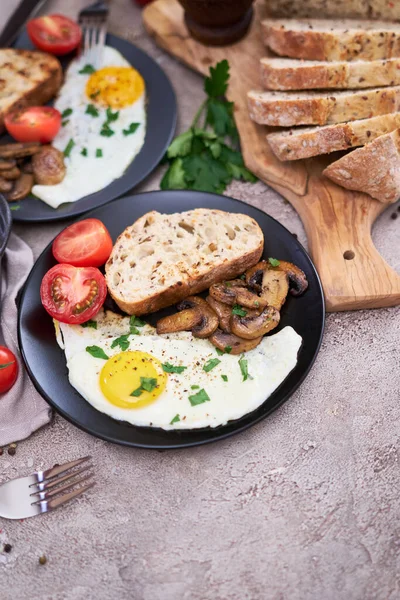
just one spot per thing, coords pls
(93, 21)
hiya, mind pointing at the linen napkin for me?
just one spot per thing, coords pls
(22, 409)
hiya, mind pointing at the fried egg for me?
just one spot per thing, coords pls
(103, 125)
(172, 381)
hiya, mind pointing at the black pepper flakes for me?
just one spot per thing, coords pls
(7, 548)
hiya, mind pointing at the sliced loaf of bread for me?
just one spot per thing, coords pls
(320, 39)
(161, 259)
(364, 9)
(293, 74)
(304, 142)
(284, 109)
(373, 169)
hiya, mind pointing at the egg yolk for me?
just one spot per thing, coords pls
(115, 87)
(132, 379)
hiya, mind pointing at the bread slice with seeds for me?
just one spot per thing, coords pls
(373, 169)
(364, 9)
(323, 39)
(294, 74)
(303, 142)
(161, 259)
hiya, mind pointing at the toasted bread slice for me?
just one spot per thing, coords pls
(373, 169)
(353, 9)
(162, 259)
(27, 78)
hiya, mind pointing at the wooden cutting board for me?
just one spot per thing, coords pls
(337, 222)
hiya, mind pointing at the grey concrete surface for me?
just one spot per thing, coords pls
(304, 506)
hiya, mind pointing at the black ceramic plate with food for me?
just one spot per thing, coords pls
(45, 361)
(161, 114)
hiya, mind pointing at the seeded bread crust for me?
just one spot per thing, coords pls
(304, 142)
(354, 9)
(320, 39)
(161, 259)
(292, 74)
(27, 78)
(373, 169)
(284, 109)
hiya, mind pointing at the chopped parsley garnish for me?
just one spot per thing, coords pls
(194, 387)
(199, 398)
(106, 130)
(176, 419)
(147, 384)
(242, 276)
(210, 364)
(238, 310)
(228, 284)
(64, 123)
(97, 352)
(219, 352)
(224, 377)
(131, 129)
(95, 94)
(122, 341)
(243, 368)
(84, 151)
(14, 207)
(136, 322)
(228, 349)
(92, 110)
(87, 70)
(274, 262)
(99, 153)
(90, 323)
(168, 368)
(66, 113)
(111, 116)
(69, 147)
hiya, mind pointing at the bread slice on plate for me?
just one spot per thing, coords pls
(293, 74)
(304, 142)
(161, 259)
(284, 109)
(372, 9)
(373, 169)
(320, 39)
(27, 78)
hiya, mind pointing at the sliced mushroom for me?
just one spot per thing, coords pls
(18, 150)
(48, 166)
(5, 185)
(13, 173)
(250, 328)
(22, 187)
(209, 322)
(238, 345)
(254, 275)
(234, 292)
(275, 288)
(224, 312)
(27, 167)
(249, 299)
(5, 165)
(185, 320)
(297, 278)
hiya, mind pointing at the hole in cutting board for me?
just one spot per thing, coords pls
(348, 255)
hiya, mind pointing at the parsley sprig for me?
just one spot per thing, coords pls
(200, 158)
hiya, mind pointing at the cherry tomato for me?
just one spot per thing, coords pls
(8, 369)
(83, 244)
(71, 294)
(54, 33)
(33, 124)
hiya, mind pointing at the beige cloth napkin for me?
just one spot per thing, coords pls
(22, 409)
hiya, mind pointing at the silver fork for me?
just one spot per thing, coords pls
(40, 492)
(93, 21)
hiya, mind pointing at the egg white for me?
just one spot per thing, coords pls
(268, 365)
(88, 174)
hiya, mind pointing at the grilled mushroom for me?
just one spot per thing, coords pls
(209, 321)
(275, 287)
(22, 187)
(6, 165)
(234, 292)
(18, 150)
(224, 312)
(238, 345)
(254, 275)
(250, 327)
(297, 279)
(185, 320)
(5, 185)
(48, 166)
(13, 173)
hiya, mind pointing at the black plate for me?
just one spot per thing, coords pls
(5, 224)
(161, 122)
(46, 362)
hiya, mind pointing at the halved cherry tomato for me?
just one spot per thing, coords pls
(33, 124)
(83, 244)
(55, 34)
(8, 369)
(73, 295)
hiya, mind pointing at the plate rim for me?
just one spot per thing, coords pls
(129, 190)
(223, 436)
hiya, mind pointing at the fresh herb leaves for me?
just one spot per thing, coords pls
(194, 387)
(147, 384)
(111, 116)
(84, 151)
(131, 129)
(224, 377)
(92, 110)
(199, 398)
(90, 323)
(238, 310)
(176, 419)
(69, 147)
(136, 322)
(200, 158)
(106, 130)
(168, 368)
(244, 368)
(99, 153)
(14, 207)
(122, 341)
(219, 352)
(87, 70)
(274, 262)
(66, 113)
(97, 352)
(211, 364)
(64, 123)
(228, 349)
